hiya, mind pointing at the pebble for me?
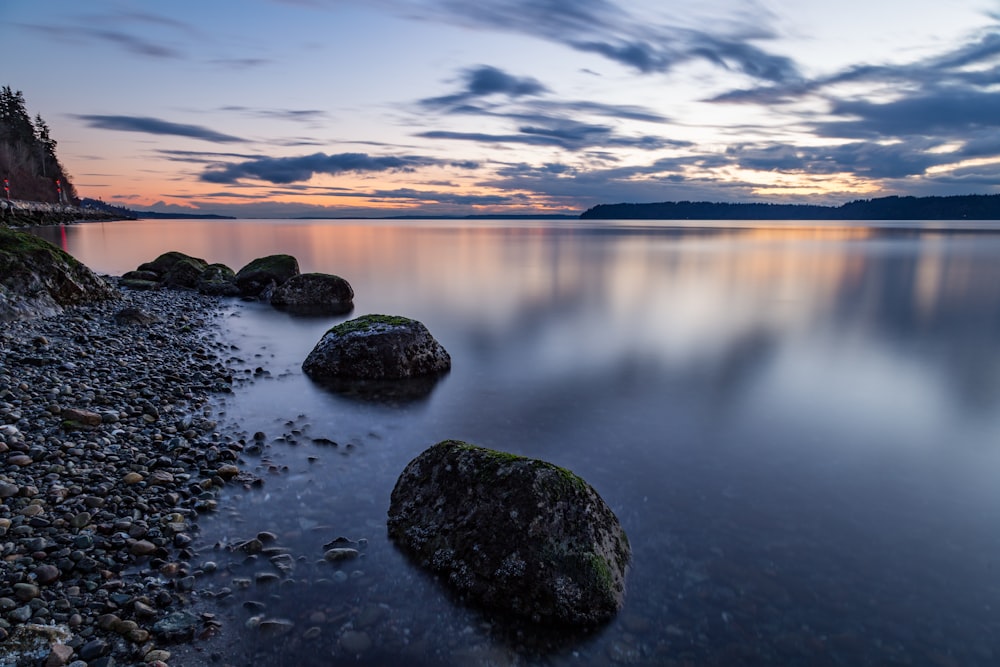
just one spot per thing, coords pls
(339, 554)
(355, 642)
(107, 437)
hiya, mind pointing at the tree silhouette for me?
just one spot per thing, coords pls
(28, 154)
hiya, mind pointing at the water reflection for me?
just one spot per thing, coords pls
(796, 425)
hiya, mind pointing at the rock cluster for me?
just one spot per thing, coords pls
(110, 454)
(275, 278)
(39, 279)
(512, 533)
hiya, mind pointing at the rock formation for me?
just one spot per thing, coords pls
(314, 294)
(264, 273)
(38, 279)
(377, 347)
(511, 533)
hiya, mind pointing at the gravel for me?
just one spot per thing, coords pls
(110, 454)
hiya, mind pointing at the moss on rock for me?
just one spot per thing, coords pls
(38, 279)
(512, 533)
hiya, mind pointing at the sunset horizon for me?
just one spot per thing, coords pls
(426, 108)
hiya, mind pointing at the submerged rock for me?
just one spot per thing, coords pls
(512, 533)
(314, 294)
(38, 279)
(377, 347)
(264, 272)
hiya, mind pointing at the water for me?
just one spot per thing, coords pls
(798, 426)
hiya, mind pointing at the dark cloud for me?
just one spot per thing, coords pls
(948, 112)
(483, 81)
(202, 157)
(282, 170)
(546, 110)
(241, 63)
(307, 116)
(454, 199)
(608, 29)
(618, 111)
(894, 123)
(84, 33)
(967, 66)
(135, 44)
(568, 136)
(156, 126)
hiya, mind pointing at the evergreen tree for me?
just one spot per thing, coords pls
(28, 153)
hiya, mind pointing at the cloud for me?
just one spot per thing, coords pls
(283, 170)
(306, 116)
(156, 126)
(561, 133)
(483, 81)
(202, 157)
(135, 44)
(939, 112)
(608, 29)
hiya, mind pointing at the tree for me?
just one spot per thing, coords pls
(28, 153)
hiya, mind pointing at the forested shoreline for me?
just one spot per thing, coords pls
(960, 207)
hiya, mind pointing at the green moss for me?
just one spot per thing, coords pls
(568, 482)
(367, 323)
(166, 262)
(14, 246)
(601, 571)
(271, 264)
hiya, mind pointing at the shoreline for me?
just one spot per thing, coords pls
(19, 214)
(111, 454)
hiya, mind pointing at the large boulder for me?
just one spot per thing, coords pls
(512, 533)
(377, 347)
(171, 269)
(314, 293)
(218, 280)
(162, 265)
(37, 279)
(185, 273)
(265, 272)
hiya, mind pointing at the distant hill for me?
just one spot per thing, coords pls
(962, 207)
(127, 213)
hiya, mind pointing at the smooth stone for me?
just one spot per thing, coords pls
(25, 592)
(142, 548)
(355, 642)
(339, 554)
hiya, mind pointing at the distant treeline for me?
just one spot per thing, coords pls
(28, 162)
(128, 214)
(962, 207)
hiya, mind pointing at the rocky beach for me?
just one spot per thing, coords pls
(111, 452)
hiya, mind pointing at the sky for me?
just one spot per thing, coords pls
(285, 108)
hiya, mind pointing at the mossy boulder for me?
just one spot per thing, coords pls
(38, 279)
(511, 533)
(266, 272)
(218, 280)
(185, 273)
(377, 347)
(314, 294)
(162, 265)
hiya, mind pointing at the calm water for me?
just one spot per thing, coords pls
(797, 424)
